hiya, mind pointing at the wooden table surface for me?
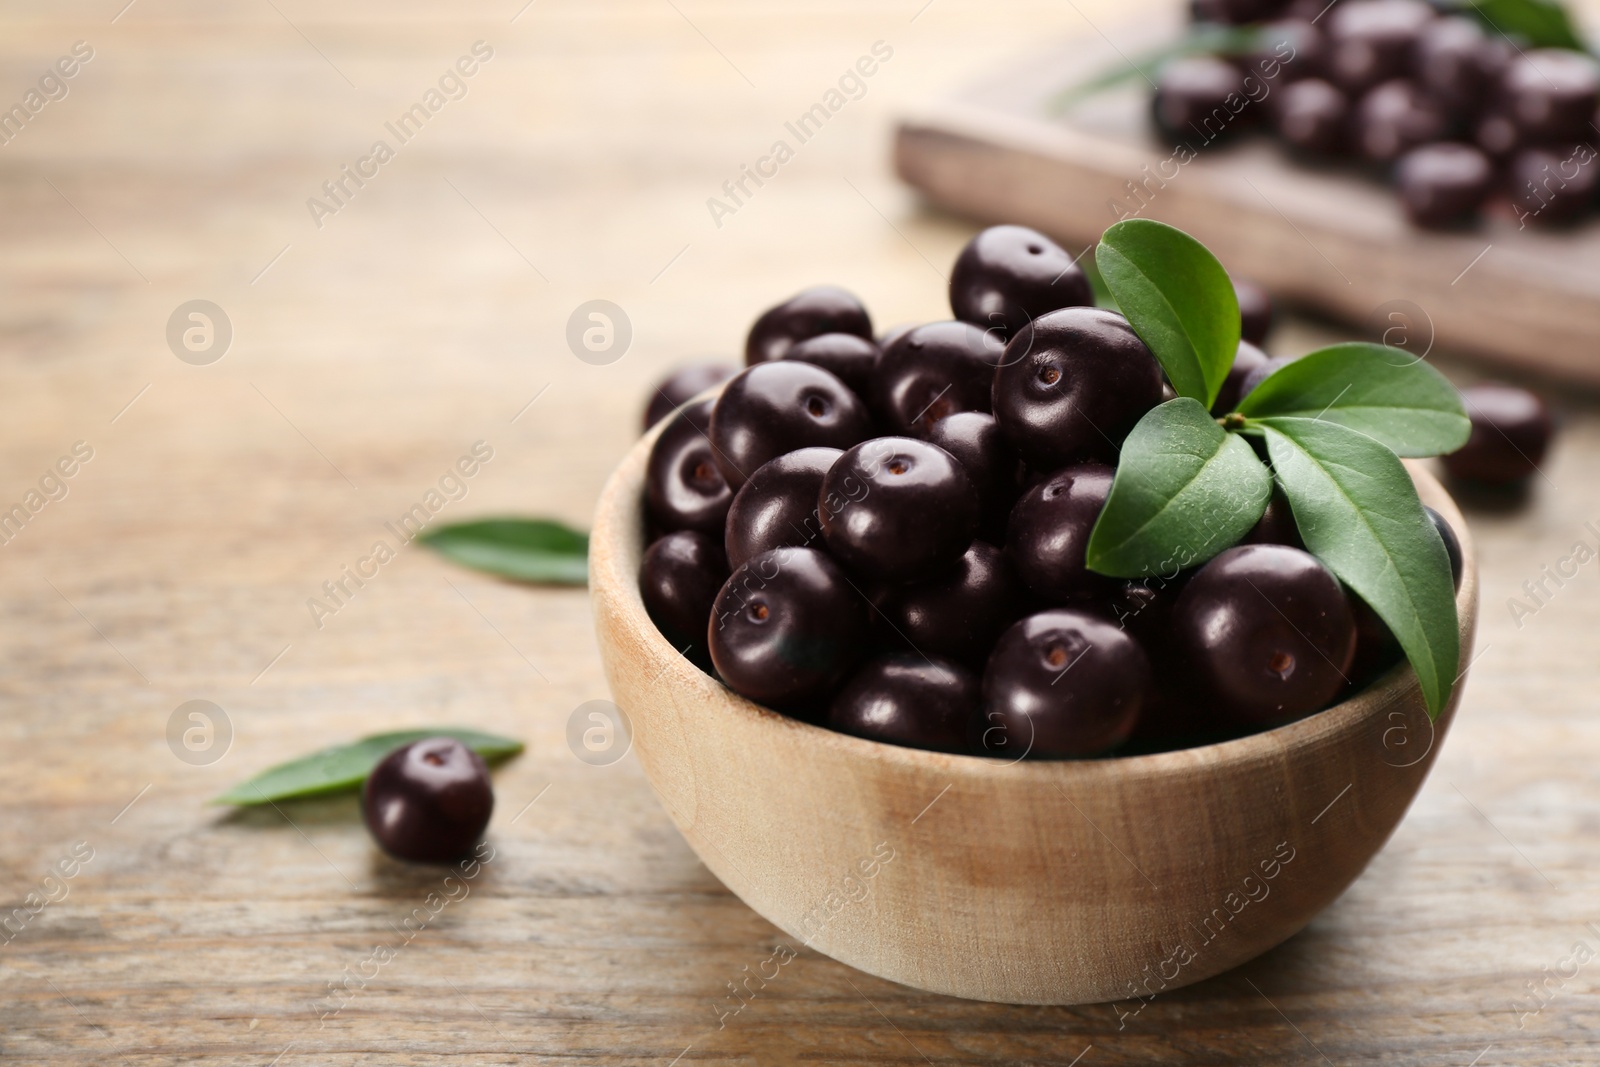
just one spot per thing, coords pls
(425, 315)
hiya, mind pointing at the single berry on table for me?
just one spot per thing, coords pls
(429, 801)
(1392, 119)
(1444, 183)
(1312, 116)
(1194, 100)
(1372, 41)
(1551, 94)
(1552, 186)
(1511, 430)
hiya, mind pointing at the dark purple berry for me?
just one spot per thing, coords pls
(684, 486)
(1455, 64)
(1072, 384)
(1394, 118)
(1284, 51)
(823, 309)
(1007, 276)
(912, 700)
(773, 408)
(1443, 184)
(777, 507)
(1452, 544)
(1511, 430)
(678, 581)
(1261, 373)
(1376, 647)
(898, 509)
(894, 333)
(1200, 99)
(933, 371)
(1255, 311)
(1372, 41)
(1063, 684)
(1312, 117)
(988, 458)
(1266, 632)
(682, 386)
(428, 802)
(1552, 186)
(1050, 529)
(1551, 94)
(1247, 359)
(1143, 608)
(1276, 525)
(960, 611)
(848, 357)
(786, 627)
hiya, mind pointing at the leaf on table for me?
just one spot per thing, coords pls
(528, 550)
(1177, 298)
(1377, 390)
(1147, 65)
(343, 768)
(1185, 489)
(1358, 511)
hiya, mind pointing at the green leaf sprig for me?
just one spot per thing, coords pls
(527, 550)
(1334, 422)
(1539, 23)
(342, 768)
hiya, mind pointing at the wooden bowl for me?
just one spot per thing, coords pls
(1033, 882)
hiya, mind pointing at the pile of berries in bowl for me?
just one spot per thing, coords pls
(1459, 113)
(1047, 529)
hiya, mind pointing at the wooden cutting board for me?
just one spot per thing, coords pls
(1330, 239)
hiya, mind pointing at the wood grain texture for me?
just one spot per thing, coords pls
(1517, 294)
(1007, 892)
(377, 349)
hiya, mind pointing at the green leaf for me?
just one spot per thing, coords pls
(342, 768)
(1383, 392)
(1185, 490)
(1177, 298)
(1359, 513)
(1200, 40)
(1540, 23)
(529, 550)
